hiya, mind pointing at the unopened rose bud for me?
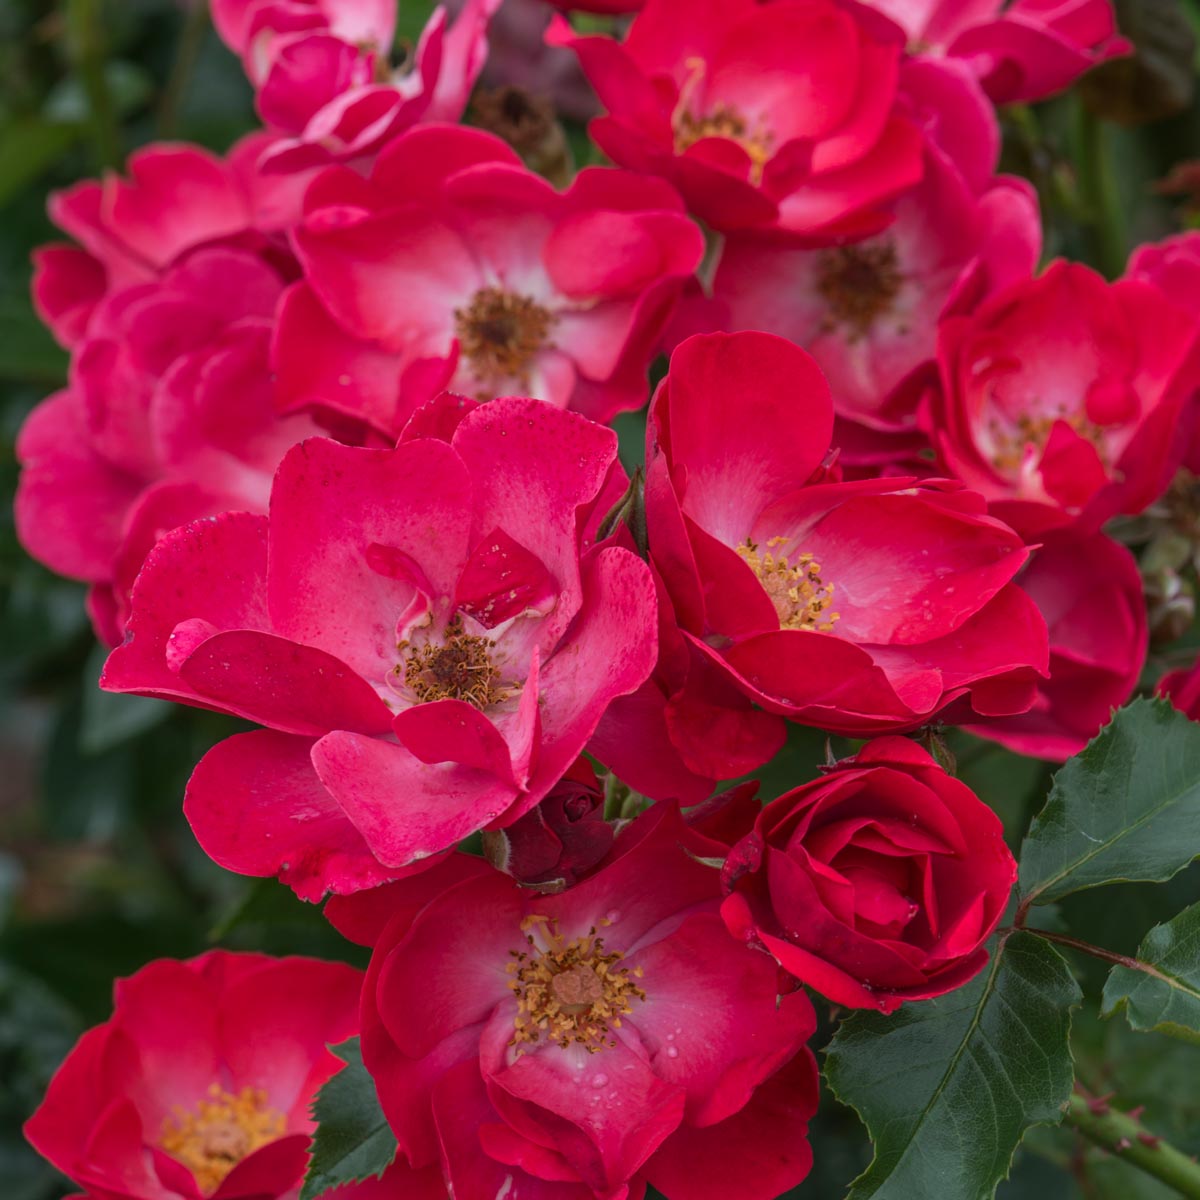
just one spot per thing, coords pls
(555, 844)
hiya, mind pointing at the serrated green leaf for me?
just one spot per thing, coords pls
(948, 1087)
(1166, 998)
(352, 1141)
(1127, 808)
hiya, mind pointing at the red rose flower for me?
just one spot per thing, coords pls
(1067, 398)
(454, 266)
(1090, 592)
(580, 1045)
(427, 634)
(763, 115)
(856, 607)
(868, 311)
(876, 884)
(200, 1084)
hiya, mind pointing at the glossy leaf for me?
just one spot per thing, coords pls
(352, 1141)
(1166, 996)
(948, 1087)
(1126, 808)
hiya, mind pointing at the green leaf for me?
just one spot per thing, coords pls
(1167, 996)
(28, 147)
(1127, 808)
(947, 1087)
(352, 1141)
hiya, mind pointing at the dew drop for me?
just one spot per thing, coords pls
(672, 1051)
(599, 1080)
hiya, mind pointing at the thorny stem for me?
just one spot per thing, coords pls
(1121, 1134)
(1109, 956)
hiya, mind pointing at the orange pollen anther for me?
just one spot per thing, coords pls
(859, 283)
(569, 993)
(500, 333)
(800, 596)
(220, 1132)
(459, 668)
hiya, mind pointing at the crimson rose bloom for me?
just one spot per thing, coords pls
(868, 311)
(427, 634)
(858, 607)
(763, 115)
(876, 884)
(581, 1045)
(200, 1084)
(1066, 398)
(454, 266)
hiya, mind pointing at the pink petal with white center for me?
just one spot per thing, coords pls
(330, 506)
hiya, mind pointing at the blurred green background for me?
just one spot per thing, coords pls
(98, 871)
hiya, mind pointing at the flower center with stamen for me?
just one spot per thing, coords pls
(859, 283)
(569, 993)
(1009, 441)
(220, 1132)
(500, 333)
(459, 668)
(801, 597)
(726, 122)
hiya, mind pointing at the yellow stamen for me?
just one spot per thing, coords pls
(220, 1132)
(800, 596)
(458, 668)
(726, 122)
(569, 993)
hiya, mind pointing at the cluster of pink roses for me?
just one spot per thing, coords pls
(297, 464)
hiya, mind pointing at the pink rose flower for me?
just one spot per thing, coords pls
(763, 115)
(454, 266)
(1020, 51)
(323, 77)
(856, 607)
(200, 1083)
(177, 198)
(427, 634)
(868, 311)
(1066, 398)
(169, 416)
(582, 1045)
(876, 884)
(1090, 592)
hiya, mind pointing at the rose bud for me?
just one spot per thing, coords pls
(876, 884)
(556, 844)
